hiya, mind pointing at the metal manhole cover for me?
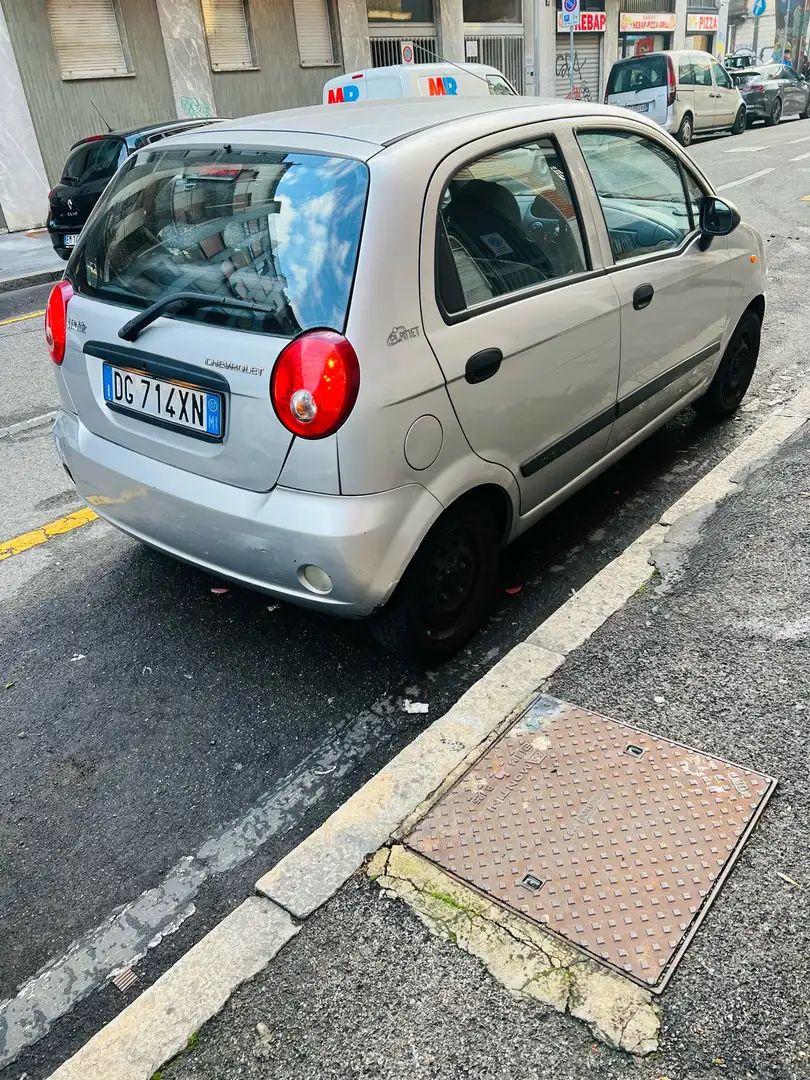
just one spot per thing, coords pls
(613, 838)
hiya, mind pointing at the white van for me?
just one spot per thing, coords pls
(417, 80)
(686, 92)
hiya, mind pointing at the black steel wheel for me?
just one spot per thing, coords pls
(445, 593)
(733, 376)
(775, 114)
(739, 122)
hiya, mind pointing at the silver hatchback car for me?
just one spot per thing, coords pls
(342, 356)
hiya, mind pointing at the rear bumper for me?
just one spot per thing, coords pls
(57, 236)
(257, 539)
(757, 106)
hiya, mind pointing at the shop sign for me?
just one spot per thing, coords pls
(590, 22)
(632, 22)
(701, 24)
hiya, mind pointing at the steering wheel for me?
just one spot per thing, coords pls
(563, 239)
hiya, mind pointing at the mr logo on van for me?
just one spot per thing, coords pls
(441, 86)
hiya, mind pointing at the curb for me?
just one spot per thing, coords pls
(25, 281)
(163, 1018)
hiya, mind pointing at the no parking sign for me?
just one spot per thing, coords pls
(406, 52)
(570, 13)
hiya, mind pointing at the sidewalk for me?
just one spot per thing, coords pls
(714, 653)
(28, 259)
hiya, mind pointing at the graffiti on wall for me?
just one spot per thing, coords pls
(562, 69)
(196, 109)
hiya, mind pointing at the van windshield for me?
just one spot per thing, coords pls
(275, 228)
(640, 73)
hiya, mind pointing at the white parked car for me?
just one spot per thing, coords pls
(342, 356)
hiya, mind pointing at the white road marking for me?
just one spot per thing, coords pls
(126, 936)
(745, 179)
(801, 157)
(804, 138)
(745, 150)
(24, 425)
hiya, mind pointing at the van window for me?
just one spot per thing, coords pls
(91, 161)
(640, 73)
(721, 76)
(686, 76)
(703, 71)
(499, 86)
(277, 228)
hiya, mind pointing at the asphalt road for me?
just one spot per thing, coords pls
(163, 746)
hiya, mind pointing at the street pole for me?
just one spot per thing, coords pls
(571, 61)
(536, 35)
(756, 38)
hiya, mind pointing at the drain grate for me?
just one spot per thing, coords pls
(613, 838)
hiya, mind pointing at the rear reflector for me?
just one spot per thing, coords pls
(56, 320)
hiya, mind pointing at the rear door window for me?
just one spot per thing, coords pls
(276, 228)
(703, 71)
(685, 74)
(640, 73)
(93, 161)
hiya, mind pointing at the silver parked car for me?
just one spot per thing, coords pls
(344, 355)
(772, 91)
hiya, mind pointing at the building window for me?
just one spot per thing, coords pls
(227, 31)
(88, 38)
(492, 11)
(397, 13)
(313, 28)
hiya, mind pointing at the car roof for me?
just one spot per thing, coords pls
(380, 122)
(143, 129)
(668, 52)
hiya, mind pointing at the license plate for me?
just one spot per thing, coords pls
(170, 404)
(69, 240)
(643, 106)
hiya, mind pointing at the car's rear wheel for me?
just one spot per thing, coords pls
(775, 114)
(733, 376)
(445, 593)
(805, 113)
(685, 131)
(739, 122)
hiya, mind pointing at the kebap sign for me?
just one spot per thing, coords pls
(590, 22)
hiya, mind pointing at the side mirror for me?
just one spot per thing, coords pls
(717, 218)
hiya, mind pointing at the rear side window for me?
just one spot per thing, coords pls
(507, 223)
(279, 229)
(703, 71)
(640, 73)
(685, 74)
(94, 161)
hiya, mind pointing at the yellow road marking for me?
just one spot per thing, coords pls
(41, 536)
(21, 318)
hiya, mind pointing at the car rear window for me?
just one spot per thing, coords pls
(640, 73)
(274, 228)
(96, 160)
(744, 78)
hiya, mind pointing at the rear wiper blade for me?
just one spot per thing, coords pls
(129, 331)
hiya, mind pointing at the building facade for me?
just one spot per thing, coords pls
(71, 68)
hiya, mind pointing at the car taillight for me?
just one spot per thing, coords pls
(56, 320)
(758, 87)
(314, 383)
(670, 82)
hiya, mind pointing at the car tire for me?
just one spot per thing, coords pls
(685, 131)
(740, 121)
(446, 592)
(805, 113)
(734, 374)
(775, 115)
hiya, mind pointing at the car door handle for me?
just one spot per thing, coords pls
(642, 296)
(483, 365)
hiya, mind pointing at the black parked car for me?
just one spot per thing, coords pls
(771, 91)
(90, 165)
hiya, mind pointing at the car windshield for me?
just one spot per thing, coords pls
(91, 161)
(274, 228)
(640, 73)
(738, 61)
